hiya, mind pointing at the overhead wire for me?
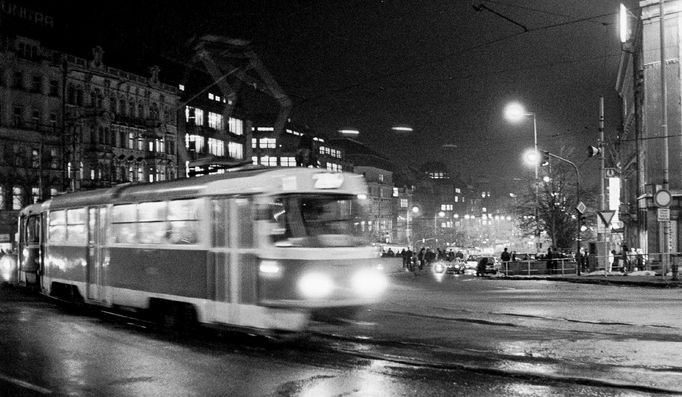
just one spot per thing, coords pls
(378, 78)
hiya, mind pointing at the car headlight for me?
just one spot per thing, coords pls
(438, 268)
(369, 283)
(270, 269)
(315, 285)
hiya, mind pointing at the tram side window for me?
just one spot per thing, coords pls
(152, 222)
(32, 229)
(75, 226)
(57, 227)
(220, 221)
(123, 224)
(183, 221)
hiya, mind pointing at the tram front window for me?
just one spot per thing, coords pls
(317, 220)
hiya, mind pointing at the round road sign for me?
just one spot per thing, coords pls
(663, 198)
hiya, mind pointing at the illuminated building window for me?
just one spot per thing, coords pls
(403, 203)
(17, 197)
(236, 126)
(395, 192)
(267, 143)
(215, 121)
(35, 195)
(195, 115)
(181, 87)
(216, 147)
(456, 199)
(268, 161)
(484, 209)
(287, 161)
(254, 160)
(235, 150)
(446, 207)
(195, 142)
(210, 96)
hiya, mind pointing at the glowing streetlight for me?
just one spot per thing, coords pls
(402, 129)
(531, 157)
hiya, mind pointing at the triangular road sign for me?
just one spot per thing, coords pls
(606, 216)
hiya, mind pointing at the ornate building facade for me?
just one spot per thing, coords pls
(70, 123)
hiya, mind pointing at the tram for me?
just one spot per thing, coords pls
(257, 248)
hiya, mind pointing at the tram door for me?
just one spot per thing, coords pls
(233, 255)
(96, 251)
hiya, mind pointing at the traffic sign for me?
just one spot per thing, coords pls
(581, 207)
(663, 214)
(662, 198)
(606, 216)
(610, 172)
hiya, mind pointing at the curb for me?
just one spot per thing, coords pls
(603, 281)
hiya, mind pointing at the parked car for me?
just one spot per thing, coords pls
(493, 265)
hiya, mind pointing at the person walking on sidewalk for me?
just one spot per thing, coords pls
(551, 263)
(505, 257)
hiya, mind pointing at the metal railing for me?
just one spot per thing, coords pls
(652, 262)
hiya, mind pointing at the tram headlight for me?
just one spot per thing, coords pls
(315, 285)
(369, 283)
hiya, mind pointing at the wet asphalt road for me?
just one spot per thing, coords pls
(456, 336)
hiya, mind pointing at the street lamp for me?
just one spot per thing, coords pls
(349, 132)
(515, 112)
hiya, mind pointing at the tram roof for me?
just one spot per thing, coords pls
(261, 179)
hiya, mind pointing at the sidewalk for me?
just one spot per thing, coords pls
(636, 279)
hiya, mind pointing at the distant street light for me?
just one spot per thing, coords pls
(349, 132)
(401, 128)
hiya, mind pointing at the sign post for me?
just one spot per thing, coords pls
(662, 199)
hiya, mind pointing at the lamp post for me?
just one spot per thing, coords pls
(514, 112)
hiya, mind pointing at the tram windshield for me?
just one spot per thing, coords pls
(318, 220)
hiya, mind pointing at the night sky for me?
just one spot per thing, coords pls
(441, 67)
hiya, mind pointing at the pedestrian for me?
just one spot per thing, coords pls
(551, 264)
(480, 267)
(582, 255)
(505, 257)
(614, 264)
(429, 256)
(632, 259)
(420, 258)
(623, 258)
